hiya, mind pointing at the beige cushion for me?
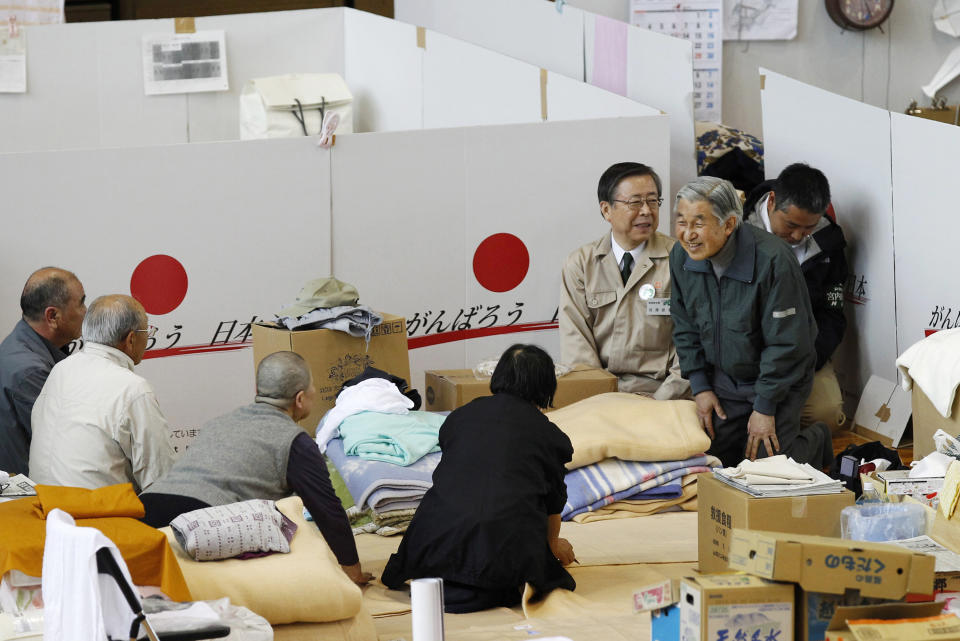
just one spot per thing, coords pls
(630, 428)
(306, 585)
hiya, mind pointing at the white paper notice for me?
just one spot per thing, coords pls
(184, 62)
(946, 560)
(701, 22)
(13, 61)
(759, 19)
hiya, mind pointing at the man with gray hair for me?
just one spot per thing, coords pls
(53, 306)
(96, 423)
(259, 452)
(744, 330)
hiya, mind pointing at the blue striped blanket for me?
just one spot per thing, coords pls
(600, 484)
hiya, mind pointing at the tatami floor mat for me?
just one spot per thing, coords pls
(658, 538)
(400, 627)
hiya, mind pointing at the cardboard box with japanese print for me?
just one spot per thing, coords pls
(735, 607)
(335, 356)
(723, 508)
(832, 572)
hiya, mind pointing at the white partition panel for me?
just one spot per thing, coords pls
(265, 44)
(384, 70)
(569, 99)
(398, 202)
(924, 206)
(517, 184)
(465, 85)
(411, 212)
(850, 142)
(529, 30)
(248, 223)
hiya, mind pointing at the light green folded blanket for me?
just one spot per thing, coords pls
(401, 439)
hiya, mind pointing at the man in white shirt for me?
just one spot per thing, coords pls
(96, 423)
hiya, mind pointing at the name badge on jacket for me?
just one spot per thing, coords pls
(658, 307)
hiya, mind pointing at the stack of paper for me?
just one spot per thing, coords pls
(778, 476)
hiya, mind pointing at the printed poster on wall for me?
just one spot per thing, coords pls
(184, 62)
(701, 22)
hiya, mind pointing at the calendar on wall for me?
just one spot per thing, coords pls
(701, 22)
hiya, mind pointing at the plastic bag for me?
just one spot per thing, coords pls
(883, 521)
(946, 444)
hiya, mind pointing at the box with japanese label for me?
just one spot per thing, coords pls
(831, 565)
(336, 356)
(735, 607)
(722, 508)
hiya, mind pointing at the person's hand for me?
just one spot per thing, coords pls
(356, 574)
(563, 551)
(707, 404)
(761, 428)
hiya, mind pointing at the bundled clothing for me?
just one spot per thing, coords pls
(482, 527)
(371, 395)
(401, 439)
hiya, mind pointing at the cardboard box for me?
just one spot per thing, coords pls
(927, 420)
(448, 389)
(735, 606)
(832, 565)
(722, 508)
(335, 356)
(898, 483)
(839, 629)
(815, 611)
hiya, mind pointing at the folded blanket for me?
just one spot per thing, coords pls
(632, 508)
(594, 486)
(371, 395)
(80, 503)
(401, 439)
(933, 364)
(630, 428)
(363, 478)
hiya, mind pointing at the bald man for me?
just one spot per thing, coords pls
(53, 307)
(259, 452)
(96, 423)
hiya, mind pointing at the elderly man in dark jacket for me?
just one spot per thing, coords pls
(743, 328)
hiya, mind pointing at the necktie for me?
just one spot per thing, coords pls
(627, 267)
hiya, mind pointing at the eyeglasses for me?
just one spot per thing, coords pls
(637, 205)
(151, 331)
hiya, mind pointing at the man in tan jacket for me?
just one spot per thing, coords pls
(615, 296)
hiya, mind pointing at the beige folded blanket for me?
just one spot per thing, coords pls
(631, 428)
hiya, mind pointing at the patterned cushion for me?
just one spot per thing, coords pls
(226, 531)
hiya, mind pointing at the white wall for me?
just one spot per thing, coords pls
(885, 69)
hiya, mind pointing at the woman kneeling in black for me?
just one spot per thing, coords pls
(491, 521)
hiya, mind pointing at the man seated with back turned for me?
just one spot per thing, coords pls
(259, 452)
(793, 207)
(96, 423)
(53, 307)
(615, 295)
(743, 329)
